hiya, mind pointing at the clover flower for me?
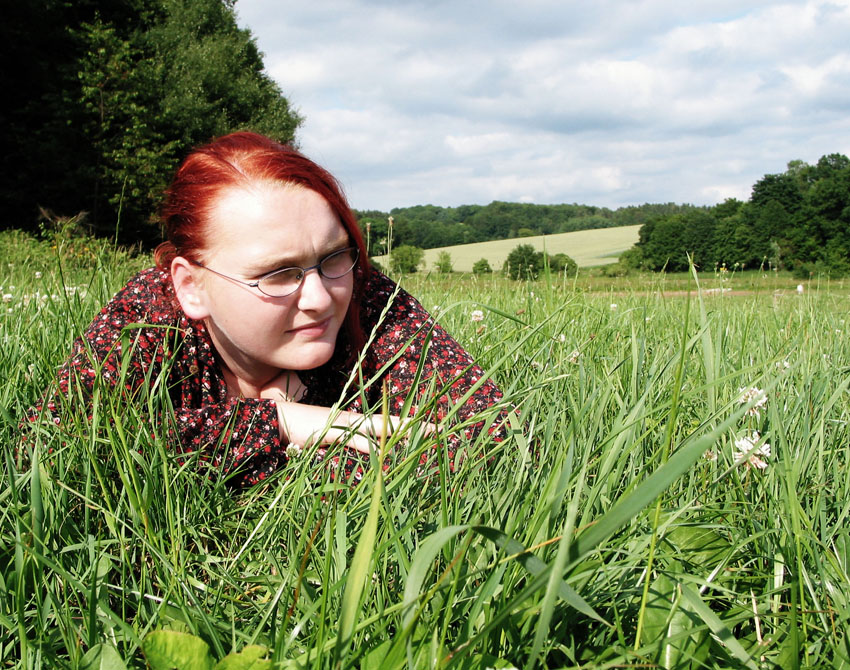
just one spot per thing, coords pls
(750, 453)
(7, 297)
(293, 450)
(477, 315)
(613, 307)
(574, 356)
(752, 394)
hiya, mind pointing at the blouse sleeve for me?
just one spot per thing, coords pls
(415, 351)
(139, 335)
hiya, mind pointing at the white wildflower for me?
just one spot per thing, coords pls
(613, 306)
(536, 365)
(749, 452)
(38, 275)
(477, 315)
(7, 297)
(562, 338)
(783, 365)
(800, 289)
(293, 450)
(574, 356)
(710, 455)
(751, 394)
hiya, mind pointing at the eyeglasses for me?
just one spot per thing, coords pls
(283, 282)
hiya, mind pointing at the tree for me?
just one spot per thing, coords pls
(562, 264)
(444, 263)
(481, 266)
(405, 259)
(117, 94)
(524, 262)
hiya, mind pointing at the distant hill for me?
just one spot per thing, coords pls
(586, 247)
(430, 226)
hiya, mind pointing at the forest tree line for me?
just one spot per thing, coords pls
(431, 226)
(798, 220)
(102, 98)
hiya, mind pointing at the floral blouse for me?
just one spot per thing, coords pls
(242, 434)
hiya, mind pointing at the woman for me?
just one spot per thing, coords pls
(259, 309)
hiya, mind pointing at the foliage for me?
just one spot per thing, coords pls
(562, 264)
(430, 226)
(524, 262)
(615, 526)
(444, 262)
(112, 95)
(406, 259)
(796, 220)
(481, 266)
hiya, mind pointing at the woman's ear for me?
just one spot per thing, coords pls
(189, 289)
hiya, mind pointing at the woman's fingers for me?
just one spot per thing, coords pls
(303, 424)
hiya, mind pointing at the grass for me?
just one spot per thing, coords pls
(613, 528)
(586, 247)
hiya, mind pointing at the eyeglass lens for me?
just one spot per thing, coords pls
(287, 280)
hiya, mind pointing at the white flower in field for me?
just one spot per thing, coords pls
(574, 356)
(7, 297)
(749, 452)
(783, 365)
(38, 275)
(751, 394)
(537, 365)
(710, 455)
(613, 307)
(562, 338)
(293, 450)
(477, 315)
(800, 289)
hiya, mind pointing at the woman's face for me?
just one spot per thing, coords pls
(253, 231)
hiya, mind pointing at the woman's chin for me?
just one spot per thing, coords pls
(309, 356)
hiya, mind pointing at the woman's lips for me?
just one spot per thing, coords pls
(315, 329)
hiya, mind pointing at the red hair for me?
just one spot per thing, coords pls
(240, 159)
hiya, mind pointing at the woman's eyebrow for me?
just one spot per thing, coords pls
(270, 264)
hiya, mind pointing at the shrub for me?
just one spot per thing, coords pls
(444, 263)
(481, 266)
(524, 262)
(405, 259)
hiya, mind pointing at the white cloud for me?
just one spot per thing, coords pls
(609, 103)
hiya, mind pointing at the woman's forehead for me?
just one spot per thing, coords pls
(269, 223)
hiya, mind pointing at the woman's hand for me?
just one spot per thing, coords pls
(304, 424)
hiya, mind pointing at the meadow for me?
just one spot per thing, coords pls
(674, 493)
(587, 248)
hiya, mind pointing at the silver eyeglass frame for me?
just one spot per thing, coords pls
(302, 272)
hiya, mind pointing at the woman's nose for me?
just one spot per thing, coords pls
(313, 295)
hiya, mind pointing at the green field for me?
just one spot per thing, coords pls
(631, 520)
(586, 247)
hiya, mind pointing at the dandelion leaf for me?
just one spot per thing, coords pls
(102, 657)
(252, 657)
(699, 546)
(173, 650)
(674, 626)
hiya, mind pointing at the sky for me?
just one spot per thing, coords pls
(605, 102)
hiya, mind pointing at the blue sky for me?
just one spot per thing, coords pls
(606, 103)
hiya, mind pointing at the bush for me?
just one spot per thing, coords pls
(561, 263)
(524, 262)
(481, 266)
(444, 263)
(405, 259)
